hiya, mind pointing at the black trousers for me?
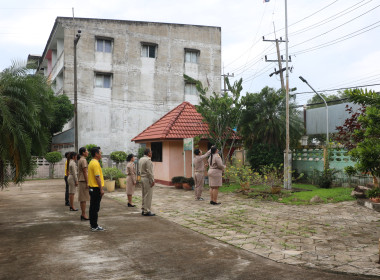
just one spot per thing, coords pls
(67, 191)
(95, 199)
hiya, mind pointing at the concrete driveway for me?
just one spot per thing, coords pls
(41, 239)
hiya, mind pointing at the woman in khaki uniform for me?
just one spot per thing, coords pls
(83, 190)
(215, 174)
(131, 178)
(73, 178)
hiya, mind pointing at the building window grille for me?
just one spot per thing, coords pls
(103, 80)
(104, 45)
(149, 50)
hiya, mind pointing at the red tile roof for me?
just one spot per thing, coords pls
(182, 122)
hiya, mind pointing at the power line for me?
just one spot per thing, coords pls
(336, 89)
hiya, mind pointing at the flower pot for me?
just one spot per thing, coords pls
(178, 185)
(109, 185)
(375, 199)
(276, 189)
(123, 183)
(186, 186)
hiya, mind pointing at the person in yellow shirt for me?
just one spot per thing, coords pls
(96, 184)
(67, 202)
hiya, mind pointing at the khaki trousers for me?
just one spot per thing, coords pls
(147, 193)
(199, 179)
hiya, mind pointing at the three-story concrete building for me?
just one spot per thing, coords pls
(129, 74)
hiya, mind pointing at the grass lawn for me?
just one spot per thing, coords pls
(296, 198)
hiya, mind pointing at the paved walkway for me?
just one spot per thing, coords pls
(340, 237)
(41, 239)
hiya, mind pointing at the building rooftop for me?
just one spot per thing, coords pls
(182, 122)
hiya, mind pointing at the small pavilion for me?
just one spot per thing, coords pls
(166, 137)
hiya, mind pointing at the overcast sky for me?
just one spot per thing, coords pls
(333, 43)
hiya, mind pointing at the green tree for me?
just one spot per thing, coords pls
(367, 151)
(53, 158)
(221, 112)
(26, 113)
(118, 157)
(263, 119)
(329, 98)
(63, 112)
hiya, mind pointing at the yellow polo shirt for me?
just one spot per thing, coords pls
(94, 169)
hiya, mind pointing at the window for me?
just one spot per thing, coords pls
(103, 80)
(148, 50)
(156, 148)
(104, 45)
(190, 88)
(191, 56)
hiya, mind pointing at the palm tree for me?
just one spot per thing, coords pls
(25, 118)
(263, 120)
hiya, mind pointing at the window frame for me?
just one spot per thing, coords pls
(194, 52)
(193, 88)
(148, 45)
(103, 75)
(104, 39)
(156, 148)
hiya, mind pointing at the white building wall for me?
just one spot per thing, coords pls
(143, 89)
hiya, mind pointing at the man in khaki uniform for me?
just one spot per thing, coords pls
(147, 181)
(199, 172)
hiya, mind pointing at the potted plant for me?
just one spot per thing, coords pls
(121, 179)
(374, 195)
(188, 183)
(110, 174)
(177, 182)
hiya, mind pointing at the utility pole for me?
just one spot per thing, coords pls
(288, 154)
(279, 60)
(224, 80)
(76, 40)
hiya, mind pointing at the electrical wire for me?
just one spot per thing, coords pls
(336, 89)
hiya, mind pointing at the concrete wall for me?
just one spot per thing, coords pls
(143, 89)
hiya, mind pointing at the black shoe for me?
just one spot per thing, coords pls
(83, 218)
(212, 202)
(131, 205)
(150, 214)
(67, 204)
(72, 209)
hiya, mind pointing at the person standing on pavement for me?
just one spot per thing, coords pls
(131, 178)
(96, 184)
(147, 180)
(215, 173)
(73, 178)
(83, 193)
(199, 172)
(67, 202)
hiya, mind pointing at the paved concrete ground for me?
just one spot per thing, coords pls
(41, 239)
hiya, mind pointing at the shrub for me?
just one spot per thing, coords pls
(177, 179)
(89, 157)
(263, 154)
(242, 175)
(374, 193)
(189, 181)
(325, 178)
(118, 156)
(110, 173)
(140, 152)
(53, 158)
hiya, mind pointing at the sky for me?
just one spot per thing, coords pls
(332, 43)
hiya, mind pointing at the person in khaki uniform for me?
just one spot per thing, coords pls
(83, 194)
(131, 179)
(72, 179)
(199, 172)
(147, 180)
(215, 174)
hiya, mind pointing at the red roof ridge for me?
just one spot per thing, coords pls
(166, 131)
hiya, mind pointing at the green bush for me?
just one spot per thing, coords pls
(118, 156)
(325, 178)
(110, 173)
(177, 179)
(374, 193)
(263, 155)
(53, 157)
(140, 152)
